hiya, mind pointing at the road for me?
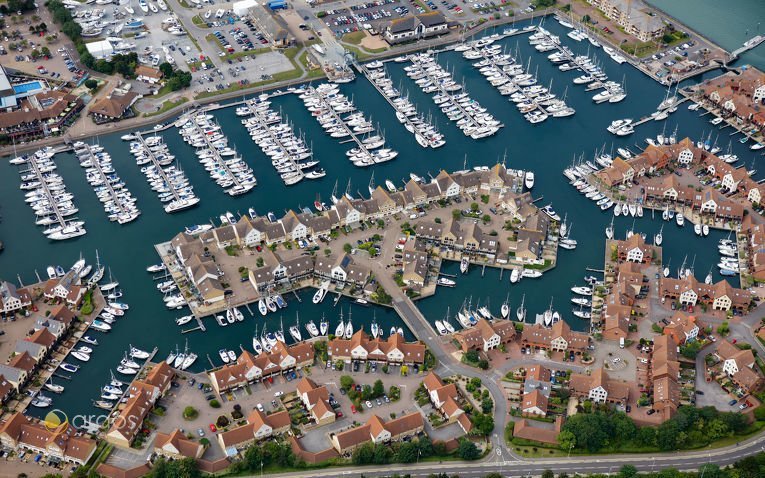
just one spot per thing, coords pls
(575, 464)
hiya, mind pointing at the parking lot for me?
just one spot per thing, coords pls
(364, 15)
(268, 396)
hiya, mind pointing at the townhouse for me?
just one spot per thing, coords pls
(278, 271)
(739, 366)
(393, 349)
(249, 368)
(739, 96)
(66, 288)
(558, 338)
(176, 446)
(19, 369)
(536, 391)
(635, 249)
(62, 443)
(755, 247)
(663, 377)
(458, 235)
(486, 335)
(258, 427)
(142, 396)
(682, 328)
(342, 270)
(378, 431)
(444, 398)
(599, 387)
(13, 298)
(718, 296)
(315, 398)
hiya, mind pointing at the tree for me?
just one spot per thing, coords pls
(456, 214)
(474, 207)
(378, 389)
(484, 424)
(364, 454)
(166, 69)
(548, 474)
(190, 413)
(347, 248)
(467, 450)
(487, 404)
(91, 84)
(483, 364)
(723, 329)
(253, 457)
(471, 356)
(407, 452)
(486, 218)
(346, 382)
(628, 471)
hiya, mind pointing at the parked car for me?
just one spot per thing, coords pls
(212, 428)
(368, 404)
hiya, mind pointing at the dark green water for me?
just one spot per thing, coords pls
(728, 24)
(546, 148)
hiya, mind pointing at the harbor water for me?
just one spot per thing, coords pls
(545, 148)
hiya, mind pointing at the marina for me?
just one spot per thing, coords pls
(542, 148)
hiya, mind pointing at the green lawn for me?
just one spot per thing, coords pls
(199, 21)
(354, 37)
(167, 105)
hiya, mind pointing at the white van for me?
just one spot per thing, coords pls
(621, 343)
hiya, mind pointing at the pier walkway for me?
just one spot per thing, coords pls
(34, 167)
(261, 118)
(160, 170)
(329, 109)
(748, 45)
(238, 186)
(400, 115)
(119, 200)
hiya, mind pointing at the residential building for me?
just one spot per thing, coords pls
(176, 446)
(22, 433)
(718, 296)
(486, 335)
(599, 387)
(12, 298)
(558, 338)
(644, 25)
(393, 349)
(682, 328)
(259, 426)
(739, 365)
(316, 399)
(445, 398)
(378, 431)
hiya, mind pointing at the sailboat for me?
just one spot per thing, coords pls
(505, 309)
(547, 316)
(610, 230)
(340, 330)
(323, 325)
(709, 279)
(171, 358)
(295, 330)
(520, 313)
(280, 332)
(658, 238)
(349, 326)
(256, 346)
(112, 284)
(374, 328)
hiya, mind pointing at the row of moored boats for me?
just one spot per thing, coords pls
(46, 193)
(225, 166)
(164, 176)
(117, 200)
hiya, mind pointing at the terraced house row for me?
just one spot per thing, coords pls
(739, 96)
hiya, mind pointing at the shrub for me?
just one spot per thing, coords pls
(190, 413)
(214, 403)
